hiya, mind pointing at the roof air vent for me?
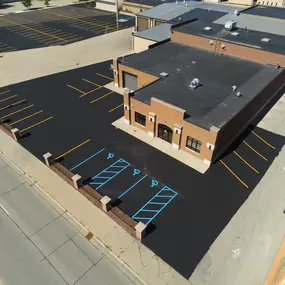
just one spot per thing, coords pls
(207, 28)
(230, 25)
(236, 12)
(163, 74)
(235, 34)
(195, 83)
(265, 40)
(238, 94)
(211, 42)
(234, 87)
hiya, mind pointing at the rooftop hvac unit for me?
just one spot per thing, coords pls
(163, 74)
(230, 25)
(195, 83)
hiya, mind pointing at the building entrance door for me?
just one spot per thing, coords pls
(165, 133)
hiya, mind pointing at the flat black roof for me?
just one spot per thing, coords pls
(202, 14)
(245, 36)
(213, 103)
(265, 11)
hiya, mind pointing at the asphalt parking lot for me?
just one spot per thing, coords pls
(57, 26)
(70, 114)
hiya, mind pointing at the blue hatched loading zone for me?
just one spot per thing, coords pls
(109, 173)
(155, 205)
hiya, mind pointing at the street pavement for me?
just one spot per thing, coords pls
(39, 246)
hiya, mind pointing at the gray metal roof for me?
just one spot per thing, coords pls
(158, 33)
(214, 103)
(247, 37)
(169, 11)
(261, 24)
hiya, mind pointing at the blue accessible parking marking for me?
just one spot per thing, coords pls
(155, 205)
(77, 165)
(125, 192)
(109, 173)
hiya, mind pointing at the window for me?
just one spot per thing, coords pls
(193, 144)
(140, 119)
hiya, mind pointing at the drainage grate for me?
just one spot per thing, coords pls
(89, 236)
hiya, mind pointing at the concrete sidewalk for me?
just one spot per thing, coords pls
(163, 146)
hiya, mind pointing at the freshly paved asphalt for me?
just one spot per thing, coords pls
(184, 230)
(39, 246)
(56, 26)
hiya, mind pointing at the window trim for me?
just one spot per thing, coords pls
(193, 141)
(143, 117)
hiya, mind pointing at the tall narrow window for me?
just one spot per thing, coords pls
(193, 144)
(140, 119)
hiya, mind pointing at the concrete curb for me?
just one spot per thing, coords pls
(78, 225)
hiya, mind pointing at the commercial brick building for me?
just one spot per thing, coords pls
(252, 24)
(196, 96)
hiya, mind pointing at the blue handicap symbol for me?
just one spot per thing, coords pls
(154, 183)
(110, 155)
(136, 172)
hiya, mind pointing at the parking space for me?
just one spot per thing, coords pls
(184, 209)
(21, 113)
(57, 26)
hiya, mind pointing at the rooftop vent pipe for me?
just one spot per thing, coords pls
(195, 83)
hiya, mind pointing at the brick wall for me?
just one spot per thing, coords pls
(143, 78)
(240, 122)
(230, 48)
(171, 116)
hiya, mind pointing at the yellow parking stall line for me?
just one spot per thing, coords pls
(20, 120)
(13, 104)
(76, 39)
(74, 19)
(8, 98)
(254, 150)
(16, 112)
(101, 97)
(91, 82)
(245, 162)
(233, 174)
(69, 151)
(71, 37)
(99, 74)
(263, 140)
(116, 108)
(89, 92)
(4, 92)
(32, 29)
(5, 49)
(36, 124)
(70, 86)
